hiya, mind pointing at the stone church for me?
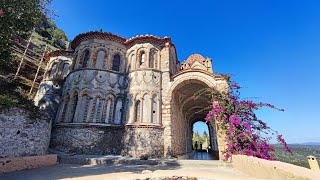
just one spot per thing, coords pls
(112, 95)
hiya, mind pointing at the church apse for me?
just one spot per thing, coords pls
(118, 95)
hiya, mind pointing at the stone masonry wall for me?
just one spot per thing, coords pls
(21, 135)
(142, 141)
(87, 139)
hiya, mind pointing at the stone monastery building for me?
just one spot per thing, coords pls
(111, 95)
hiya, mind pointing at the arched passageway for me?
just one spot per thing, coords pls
(186, 110)
(203, 142)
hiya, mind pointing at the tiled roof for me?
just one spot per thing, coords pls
(60, 53)
(112, 37)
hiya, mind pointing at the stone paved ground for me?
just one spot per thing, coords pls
(108, 172)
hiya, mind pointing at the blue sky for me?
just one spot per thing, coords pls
(272, 47)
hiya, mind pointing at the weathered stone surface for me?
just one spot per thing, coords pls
(22, 136)
(143, 143)
(28, 162)
(82, 139)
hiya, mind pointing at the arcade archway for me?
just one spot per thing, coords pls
(186, 110)
(180, 110)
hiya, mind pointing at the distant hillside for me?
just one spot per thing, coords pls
(47, 32)
(300, 153)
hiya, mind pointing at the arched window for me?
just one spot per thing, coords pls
(53, 70)
(74, 63)
(86, 57)
(64, 110)
(153, 62)
(154, 109)
(118, 112)
(146, 106)
(73, 107)
(142, 58)
(137, 111)
(116, 62)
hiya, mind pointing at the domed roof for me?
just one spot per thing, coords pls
(195, 57)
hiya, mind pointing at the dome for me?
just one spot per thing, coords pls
(195, 57)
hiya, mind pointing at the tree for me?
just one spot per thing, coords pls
(244, 132)
(205, 137)
(17, 19)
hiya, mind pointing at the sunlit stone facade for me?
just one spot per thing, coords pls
(111, 95)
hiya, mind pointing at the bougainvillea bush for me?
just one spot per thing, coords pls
(236, 119)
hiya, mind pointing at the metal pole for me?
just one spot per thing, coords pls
(35, 77)
(24, 55)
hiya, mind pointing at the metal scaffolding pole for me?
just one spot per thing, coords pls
(23, 56)
(39, 66)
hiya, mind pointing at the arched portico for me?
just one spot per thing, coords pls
(181, 110)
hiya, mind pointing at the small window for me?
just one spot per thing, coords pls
(142, 57)
(86, 58)
(137, 111)
(116, 63)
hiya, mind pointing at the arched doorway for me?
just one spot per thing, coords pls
(200, 137)
(186, 110)
(180, 110)
(204, 142)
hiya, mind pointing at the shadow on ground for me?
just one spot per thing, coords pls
(61, 171)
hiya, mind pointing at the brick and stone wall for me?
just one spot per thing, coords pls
(87, 139)
(141, 141)
(21, 135)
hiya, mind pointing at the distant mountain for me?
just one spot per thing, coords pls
(307, 144)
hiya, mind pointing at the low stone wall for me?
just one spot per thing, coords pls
(143, 141)
(272, 169)
(21, 135)
(87, 139)
(28, 162)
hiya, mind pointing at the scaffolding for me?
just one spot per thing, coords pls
(32, 63)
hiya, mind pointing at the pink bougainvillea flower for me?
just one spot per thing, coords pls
(227, 156)
(1, 11)
(243, 130)
(246, 124)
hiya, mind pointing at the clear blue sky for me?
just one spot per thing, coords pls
(272, 46)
